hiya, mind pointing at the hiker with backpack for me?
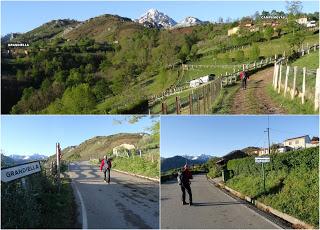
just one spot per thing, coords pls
(184, 177)
(243, 77)
(106, 166)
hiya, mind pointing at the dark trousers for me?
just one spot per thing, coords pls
(185, 187)
(244, 83)
(106, 174)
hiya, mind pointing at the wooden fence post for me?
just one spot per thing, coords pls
(190, 103)
(286, 81)
(279, 84)
(303, 85)
(163, 108)
(177, 105)
(295, 69)
(198, 104)
(317, 91)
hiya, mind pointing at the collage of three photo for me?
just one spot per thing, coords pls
(160, 114)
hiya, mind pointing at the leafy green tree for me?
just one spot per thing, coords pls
(78, 100)
(295, 40)
(240, 55)
(254, 52)
(268, 33)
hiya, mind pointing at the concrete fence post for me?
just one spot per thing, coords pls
(274, 74)
(303, 85)
(286, 81)
(280, 74)
(276, 78)
(295, 69)
(317, 91)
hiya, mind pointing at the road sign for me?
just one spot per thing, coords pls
(18, 171)
(262, 159)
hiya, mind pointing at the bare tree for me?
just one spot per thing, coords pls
(294, 7)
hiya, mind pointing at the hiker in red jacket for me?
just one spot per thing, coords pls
(184, 182)
(243, 77)
(106, 166)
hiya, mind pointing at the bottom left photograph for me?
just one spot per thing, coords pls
(80, 172)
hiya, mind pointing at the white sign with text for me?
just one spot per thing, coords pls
(16, 172)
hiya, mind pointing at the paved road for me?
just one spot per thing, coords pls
(127, 202)
(212, 209)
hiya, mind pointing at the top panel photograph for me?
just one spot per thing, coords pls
(143, 57)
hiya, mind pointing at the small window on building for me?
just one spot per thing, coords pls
(297, 141)
(290, 143)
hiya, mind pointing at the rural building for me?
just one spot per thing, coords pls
(233, 31)
(123, 150)
(297, 142)
(302, 21)
(263, 151)
(230, 156)
(284, 149)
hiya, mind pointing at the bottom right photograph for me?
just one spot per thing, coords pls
(239, 172)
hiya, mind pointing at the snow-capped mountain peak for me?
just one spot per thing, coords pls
(189, 21)
(156, 19)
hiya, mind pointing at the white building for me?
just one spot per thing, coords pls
(233, 31)
(302, 21)
(123, 150)
(298, 142)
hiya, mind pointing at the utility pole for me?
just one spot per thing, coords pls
(58, 164)
(268, 131)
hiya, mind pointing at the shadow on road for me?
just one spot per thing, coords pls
(217, 203)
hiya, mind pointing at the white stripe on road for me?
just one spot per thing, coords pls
(83, 209)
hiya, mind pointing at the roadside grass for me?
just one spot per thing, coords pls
(41, 205)
(291, 106)
(223, 103)
(138, 165)
(292, 182)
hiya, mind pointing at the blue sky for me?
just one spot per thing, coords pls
(218, 135)
(26, 135)
(23, 16)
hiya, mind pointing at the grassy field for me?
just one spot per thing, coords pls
(223, 103)
(310, 61)
(292, 182)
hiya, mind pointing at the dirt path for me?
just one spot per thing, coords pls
(255, 100)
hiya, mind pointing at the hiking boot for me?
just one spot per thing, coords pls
(190, 203)
(184, 203)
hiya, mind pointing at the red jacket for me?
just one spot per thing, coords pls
(102, 164)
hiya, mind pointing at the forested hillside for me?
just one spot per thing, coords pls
(111, 64)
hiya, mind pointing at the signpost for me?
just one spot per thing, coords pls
(19, 171)
(262, 160)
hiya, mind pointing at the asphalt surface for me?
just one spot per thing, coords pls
(212, 209)
(127, 202)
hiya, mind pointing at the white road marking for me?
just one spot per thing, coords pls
(83, 208)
